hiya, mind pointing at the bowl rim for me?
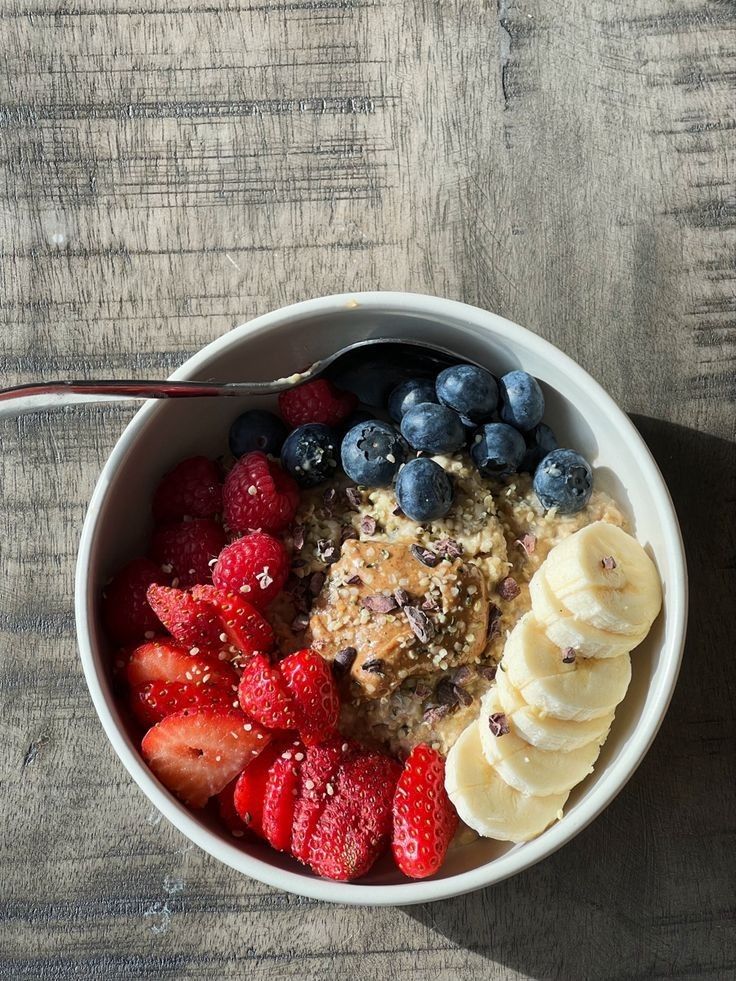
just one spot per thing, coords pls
(515, 860)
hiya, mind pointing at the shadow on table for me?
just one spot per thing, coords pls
(647, 890)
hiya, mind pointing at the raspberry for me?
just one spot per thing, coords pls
(255, 566)
(187, 548)
(125, 611)
(192, 489)
(316, 401)
(259, 495)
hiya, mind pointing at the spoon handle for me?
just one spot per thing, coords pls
(47, 395)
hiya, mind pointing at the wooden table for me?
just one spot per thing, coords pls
(175, 167)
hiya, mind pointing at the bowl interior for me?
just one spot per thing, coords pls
(582, 416)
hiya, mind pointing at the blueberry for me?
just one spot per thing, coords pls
(497, 449)
(471, 428)
(360, 415)
(522, 401)
(408, 394)
(433, 428)
(257, 430)
(544, 438)
(423, 490)
(310, 454)
(539, 442)
(372, 453)
(564, 480)
(469, 390)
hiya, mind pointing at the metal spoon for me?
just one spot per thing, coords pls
(371, 374)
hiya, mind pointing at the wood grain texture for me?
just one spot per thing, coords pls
(172, 169)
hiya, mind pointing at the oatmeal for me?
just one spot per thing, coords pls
(431, 674)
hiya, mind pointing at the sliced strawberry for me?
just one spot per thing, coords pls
(196, 753)
(250, 787)
(245, 627)
(340, 847)
(314, 691)
(189, 620)
(226, 805)
(191, 490)
(424, 819)
(155, 700)
(163, 660)
(316, 787)
(126, 615)
(279, 799)
(187, 548)
(264, 695)
(355, 824)
(368, 781)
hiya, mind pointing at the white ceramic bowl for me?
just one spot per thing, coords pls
(271, 346)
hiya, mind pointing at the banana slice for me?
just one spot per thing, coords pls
(604, 576)
(565, 630)
(532, 771)
(586, 688)
(486, 803)
(543, 731)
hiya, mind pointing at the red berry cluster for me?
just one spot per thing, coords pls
(225, 718)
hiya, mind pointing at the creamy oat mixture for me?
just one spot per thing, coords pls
(417, 615)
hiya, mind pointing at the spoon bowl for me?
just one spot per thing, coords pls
(389, 359)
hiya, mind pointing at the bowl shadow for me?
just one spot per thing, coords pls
(647, 890)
